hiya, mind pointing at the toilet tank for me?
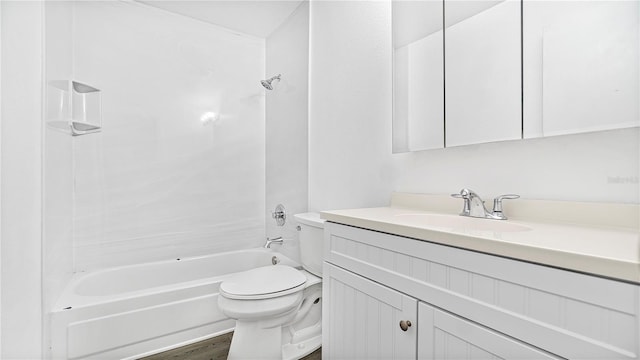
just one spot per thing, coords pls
(311, 235)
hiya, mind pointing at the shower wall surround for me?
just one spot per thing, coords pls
(158, 182)
(57, 234)
(287, 126)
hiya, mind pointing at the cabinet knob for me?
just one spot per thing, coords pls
(405, 325)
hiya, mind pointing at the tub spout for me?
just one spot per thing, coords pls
(278, 240)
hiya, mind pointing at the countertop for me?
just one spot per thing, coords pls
(608, 247)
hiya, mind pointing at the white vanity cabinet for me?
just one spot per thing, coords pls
(364, 319)
(465, 305)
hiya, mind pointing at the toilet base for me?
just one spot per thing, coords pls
(301, 349)
(243, 348)
(299, 335)
(251, 341)
(304, 336)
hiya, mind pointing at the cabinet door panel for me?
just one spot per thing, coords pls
(361, 319)
(445, 336)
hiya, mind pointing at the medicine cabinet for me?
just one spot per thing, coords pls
(469, 72)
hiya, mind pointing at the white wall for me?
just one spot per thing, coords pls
(350, 140)
(1, 99)
(0, 181)
(20, 190)
(157, 183)
(350, 161)
(601, 166)
(287, 125)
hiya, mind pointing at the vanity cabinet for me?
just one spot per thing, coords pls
(365, 318)
(464, 304)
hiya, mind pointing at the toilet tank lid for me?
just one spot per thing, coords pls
(310, 218)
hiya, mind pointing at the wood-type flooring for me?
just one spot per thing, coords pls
(215, 348)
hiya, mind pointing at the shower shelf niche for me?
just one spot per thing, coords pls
(73, 107)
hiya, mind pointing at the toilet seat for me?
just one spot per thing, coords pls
(263, 283)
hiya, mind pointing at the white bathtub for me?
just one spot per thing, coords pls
(130, 311)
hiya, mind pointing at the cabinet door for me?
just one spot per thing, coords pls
(445, 336)
(418, 75)
(581, 66)
(482, 71)
(361, 319)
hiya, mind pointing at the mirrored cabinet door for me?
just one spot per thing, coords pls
(483, 94)
(418, 89)
(580, 66)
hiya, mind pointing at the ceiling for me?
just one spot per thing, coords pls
(254, 17)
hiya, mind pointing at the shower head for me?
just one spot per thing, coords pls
(267, 83)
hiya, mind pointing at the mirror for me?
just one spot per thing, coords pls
(513, 69)
(580, 66)
(418, 87)
(482, 71)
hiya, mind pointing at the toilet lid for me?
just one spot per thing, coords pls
(263, 282)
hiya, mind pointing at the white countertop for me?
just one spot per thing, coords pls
(610, 249)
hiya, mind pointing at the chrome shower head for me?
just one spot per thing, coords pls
(267, 83)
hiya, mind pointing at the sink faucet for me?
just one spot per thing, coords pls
(474, 206)
(278, 240)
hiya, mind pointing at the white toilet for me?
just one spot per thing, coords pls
(278, 308)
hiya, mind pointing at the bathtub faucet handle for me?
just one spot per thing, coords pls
(278, 240)
(279, 215)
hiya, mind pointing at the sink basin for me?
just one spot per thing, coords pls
(462, 223)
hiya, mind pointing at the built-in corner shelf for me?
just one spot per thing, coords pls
(73, 107)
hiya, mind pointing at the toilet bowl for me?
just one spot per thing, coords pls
(277, 308)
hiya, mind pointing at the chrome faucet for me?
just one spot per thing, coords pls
(474, 206)
(278, 240)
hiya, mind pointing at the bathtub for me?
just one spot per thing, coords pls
(132, 311)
